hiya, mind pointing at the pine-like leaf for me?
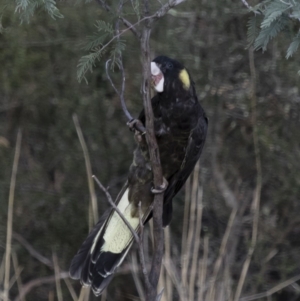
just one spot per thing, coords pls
(293, 46)
(268, 33)
(103, 26)
(51, 9)
(136, 7)
(253, 29)
(116, 52)
(295, 12)
(86, 63)
(26, 8)
(21, 5)
(95, 41)
(274, 10)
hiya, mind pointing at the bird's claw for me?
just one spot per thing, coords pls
(161, 188)
(135, 125)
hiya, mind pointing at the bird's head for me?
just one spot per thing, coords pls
(169, 74)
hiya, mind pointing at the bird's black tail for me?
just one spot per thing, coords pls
(105, 247)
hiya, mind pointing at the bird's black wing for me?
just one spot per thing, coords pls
(192, 154)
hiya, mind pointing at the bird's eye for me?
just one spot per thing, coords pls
(169, 66)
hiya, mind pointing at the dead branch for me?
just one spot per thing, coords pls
(138, 239)
(93, 212)
(151, 286)
(111, 202)
(257, 191)
(10, 214)
(273, 290)
(33, 252)
(27, 287)
(155, 164)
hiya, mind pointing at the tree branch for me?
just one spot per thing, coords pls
(125, 22)
(139, 240)
(257, 191)
(155, 164)
(37, 282)
(273, 290)
(34, 253)
(111, 202)
(151, 287)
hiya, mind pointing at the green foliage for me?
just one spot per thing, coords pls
(116, 52)
(104, 26)
(293, 46)
(253, 29)
(268, 33)
(272, 12)
(136, 7)
(276, 16)
(97, 47)
(87, 62)
(26, 8)
(94, 41)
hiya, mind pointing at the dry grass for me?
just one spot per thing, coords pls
(201, 277)
(10, 216)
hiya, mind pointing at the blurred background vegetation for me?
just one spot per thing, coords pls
(250, 166)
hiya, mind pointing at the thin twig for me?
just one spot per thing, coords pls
(203, 269)
(184, 256)
(34, 253)
(197, 239)
(155, 164)
(152, 147)
(221, 253)
(141, 249)
(120, 94)
(27, 287)
(273, 290)
(247, 4)
(17, 268)
(84, 293)
(103, 296)
(111, 202)
(257, 191)
(71, 289)
(10, 214)
(135, 276)
(133, 232)
(171, 270)
(167, 258)
(125, 22)
(192, 224)
(2, 269)
(57, 278)
(138, 125)
(150, 19)
(141, 221)
(94, 205)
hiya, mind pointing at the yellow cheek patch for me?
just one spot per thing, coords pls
(184, 77)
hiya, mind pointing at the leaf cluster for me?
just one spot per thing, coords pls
(98, 44)
(27, 8)
(270, 18)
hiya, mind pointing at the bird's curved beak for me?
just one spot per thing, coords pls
(157, 77)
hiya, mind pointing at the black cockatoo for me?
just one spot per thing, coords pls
(180, 127)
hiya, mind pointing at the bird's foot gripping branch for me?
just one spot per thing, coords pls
(136, 125)
(161, 188)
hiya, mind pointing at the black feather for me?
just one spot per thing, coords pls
(79, 259)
